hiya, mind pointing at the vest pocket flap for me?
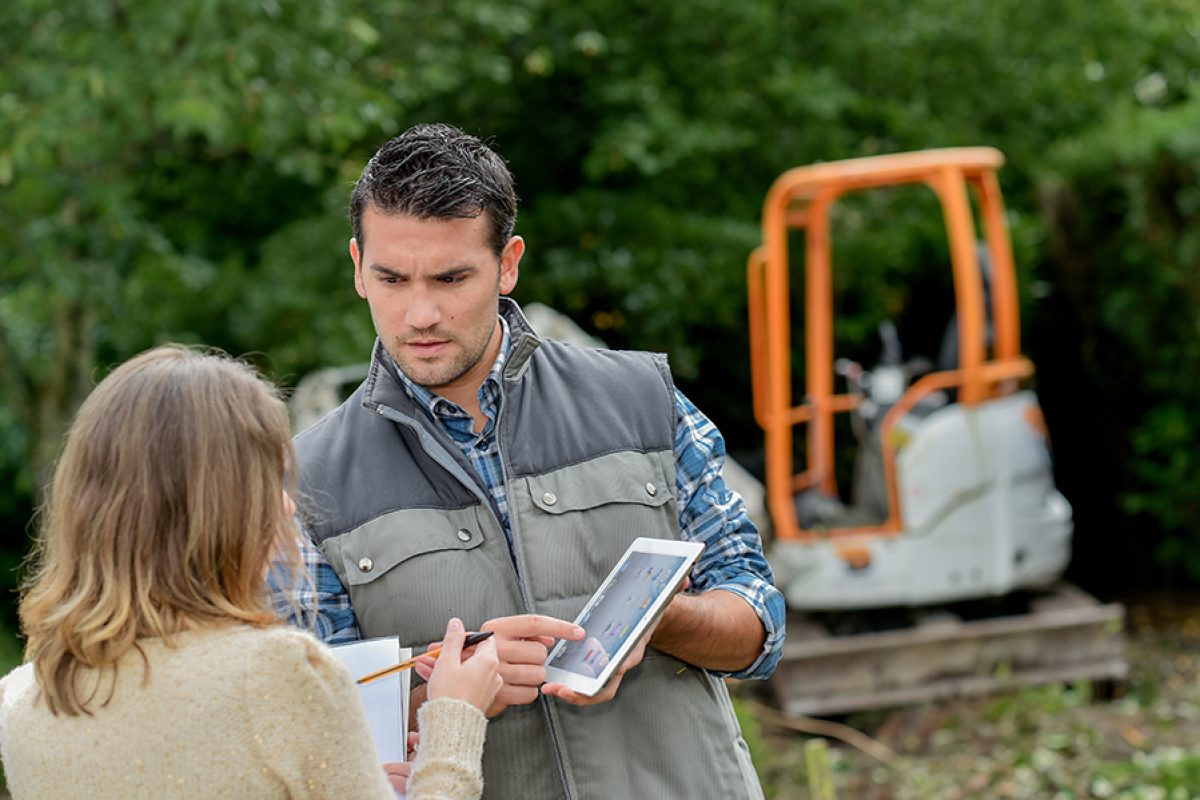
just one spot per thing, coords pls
(370, 550)
(613, 478)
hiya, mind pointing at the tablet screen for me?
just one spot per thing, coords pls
(618, 609)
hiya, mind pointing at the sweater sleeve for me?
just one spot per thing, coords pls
(308, 722)
(450, 753)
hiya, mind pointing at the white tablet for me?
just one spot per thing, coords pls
(633, 595)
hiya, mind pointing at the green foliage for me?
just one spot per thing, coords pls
(662, 119)
(11, 649)
(640, 272)
(178, 171)
(151, 150)
(752, 731)
(1126, 257)
(1168, 773)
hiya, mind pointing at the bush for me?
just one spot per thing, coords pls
(1123, 205)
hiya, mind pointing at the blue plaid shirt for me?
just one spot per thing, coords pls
(708, 512)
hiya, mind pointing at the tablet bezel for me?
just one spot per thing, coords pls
(589, 686)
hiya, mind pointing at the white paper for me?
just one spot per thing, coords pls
(385, 699)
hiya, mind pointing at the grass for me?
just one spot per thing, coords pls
(1058, 742)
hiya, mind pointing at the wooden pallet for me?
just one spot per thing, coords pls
(1063, 634)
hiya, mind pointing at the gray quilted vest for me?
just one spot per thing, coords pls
(587, 444)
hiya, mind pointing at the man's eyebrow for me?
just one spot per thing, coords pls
(453, 271)
(385, 271)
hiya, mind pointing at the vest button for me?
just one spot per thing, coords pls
(366, 564)
(651, 489)
(549, 498)
(464, 535)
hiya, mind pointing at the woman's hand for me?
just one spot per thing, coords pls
(398, 772)
(475, 679)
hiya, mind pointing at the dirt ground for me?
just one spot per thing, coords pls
(1139, 740)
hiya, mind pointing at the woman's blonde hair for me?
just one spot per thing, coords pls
(166, 507)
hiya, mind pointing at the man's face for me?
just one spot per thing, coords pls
(433, 286)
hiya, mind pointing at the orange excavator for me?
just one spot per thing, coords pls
(952, 497)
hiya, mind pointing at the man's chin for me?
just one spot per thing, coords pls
(431, 376)
(430, 379)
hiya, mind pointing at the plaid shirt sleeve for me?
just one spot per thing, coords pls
(315, 600)
(711, 513)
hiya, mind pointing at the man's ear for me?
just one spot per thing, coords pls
(510, 261)
(356, 257)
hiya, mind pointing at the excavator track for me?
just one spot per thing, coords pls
(1062, 634)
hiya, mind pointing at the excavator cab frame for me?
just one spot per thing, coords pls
(802, 199)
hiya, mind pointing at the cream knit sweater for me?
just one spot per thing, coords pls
(234, 712)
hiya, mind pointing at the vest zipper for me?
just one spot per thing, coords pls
(439, 454)
(519, 568)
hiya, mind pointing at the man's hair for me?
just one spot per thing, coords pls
(437, 172)
(166, 507)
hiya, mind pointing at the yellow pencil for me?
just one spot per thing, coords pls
(472, 639)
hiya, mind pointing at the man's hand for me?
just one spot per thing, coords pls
(566, 694)
(522, 644)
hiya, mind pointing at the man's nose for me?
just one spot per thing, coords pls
(422, 312)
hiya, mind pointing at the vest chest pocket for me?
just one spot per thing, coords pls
(552, 497)
(575, 522)
(399, 566)
(368, 555)
(645, 479)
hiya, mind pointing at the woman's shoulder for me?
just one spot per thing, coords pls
(289, 654)
(291, 644)
(250, 640)
(17, 684)
(234, 650)
(277, 635)
(18, 695)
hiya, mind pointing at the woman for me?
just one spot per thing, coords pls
(156, 667)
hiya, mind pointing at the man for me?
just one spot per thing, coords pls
(481, 473)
